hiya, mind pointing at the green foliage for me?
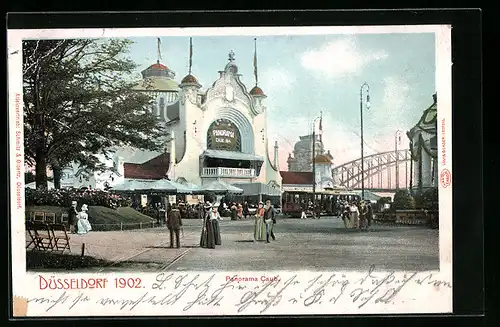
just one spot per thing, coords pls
(403, 200)
(428, 199)
(63, 198)
(29, 177)
(79, 102)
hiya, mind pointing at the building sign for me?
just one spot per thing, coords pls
(223, 135)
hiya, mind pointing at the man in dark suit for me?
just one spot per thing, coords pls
(174, 223)
(270, 220)
(72, 213)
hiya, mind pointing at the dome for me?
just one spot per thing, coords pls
(158, 66)
(322, 159)
(257, 91)
(189, 79)
(157, 70)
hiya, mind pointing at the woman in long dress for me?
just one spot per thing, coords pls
(354, 216)
(214, 219)
(240, 211)
(83, 225)
(207, 233)
(259, 233)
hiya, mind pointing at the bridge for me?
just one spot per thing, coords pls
(380, 171)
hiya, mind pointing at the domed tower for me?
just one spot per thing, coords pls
(159, 80)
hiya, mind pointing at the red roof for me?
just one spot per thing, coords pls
(293, 177)
(256, 91)
(158, 66)
(155, 168)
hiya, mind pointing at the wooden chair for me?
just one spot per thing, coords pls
(31, 238)
(43, 236)
(50, 218)
(60, 237)
(39, 216)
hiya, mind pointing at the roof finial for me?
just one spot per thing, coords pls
(190, 54)
(159, 51)
(231, 56)
(255, 62)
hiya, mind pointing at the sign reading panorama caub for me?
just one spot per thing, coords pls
(80, 250)
(223, 135)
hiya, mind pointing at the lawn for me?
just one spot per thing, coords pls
(103, 218)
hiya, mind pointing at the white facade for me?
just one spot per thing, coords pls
(227, 99)
(188, 114)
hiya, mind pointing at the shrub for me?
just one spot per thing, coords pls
(63, 198)
(403, 200)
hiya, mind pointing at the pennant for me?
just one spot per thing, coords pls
(159, 51)
(255, 63)
(190, 54)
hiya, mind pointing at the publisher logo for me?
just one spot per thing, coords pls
(445, 178)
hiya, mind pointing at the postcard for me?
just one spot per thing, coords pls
(230, 171)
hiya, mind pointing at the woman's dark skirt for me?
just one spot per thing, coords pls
(216, 229)
(207, 236)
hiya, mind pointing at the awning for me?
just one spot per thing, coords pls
(162, 185)
(222, 187)
(252, 189)
(231, 155)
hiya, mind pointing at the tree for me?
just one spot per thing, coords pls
(79, 103)
(403, 200)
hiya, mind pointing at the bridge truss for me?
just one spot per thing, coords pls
(379, 171)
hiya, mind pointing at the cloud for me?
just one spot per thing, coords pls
(395, 111)
(339, 58)
(276, 80)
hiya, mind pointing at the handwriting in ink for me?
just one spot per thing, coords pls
(214, 299)
(252, 297)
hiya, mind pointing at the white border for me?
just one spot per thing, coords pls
(425, 298)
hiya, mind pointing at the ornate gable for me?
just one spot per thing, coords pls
(229, 88)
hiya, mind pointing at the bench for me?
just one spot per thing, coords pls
(47, 237)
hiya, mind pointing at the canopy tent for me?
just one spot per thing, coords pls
(161, 185)
(220, 187)
(191, 186)
(253, 189)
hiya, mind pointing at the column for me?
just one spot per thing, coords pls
(426, 169)
(416, 171)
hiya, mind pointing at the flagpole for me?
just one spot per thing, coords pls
(190, 54)
(255, 62)
(159, 50)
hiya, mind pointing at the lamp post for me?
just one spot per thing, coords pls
(366, 87)
(397, 139)
(314, 164)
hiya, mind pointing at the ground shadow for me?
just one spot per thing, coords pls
(245, 241)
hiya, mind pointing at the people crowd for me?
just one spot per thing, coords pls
(356, 214)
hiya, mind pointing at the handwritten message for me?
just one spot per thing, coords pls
(203, 293)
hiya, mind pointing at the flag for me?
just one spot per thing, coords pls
(190, 54)
(159, 51)
(255, 62)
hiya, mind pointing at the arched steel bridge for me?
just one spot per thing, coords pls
(379, 171)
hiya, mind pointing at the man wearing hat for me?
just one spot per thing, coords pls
(72, 213)
(207, 239)
(174, 223)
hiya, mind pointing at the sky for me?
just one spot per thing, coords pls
(303, 75)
